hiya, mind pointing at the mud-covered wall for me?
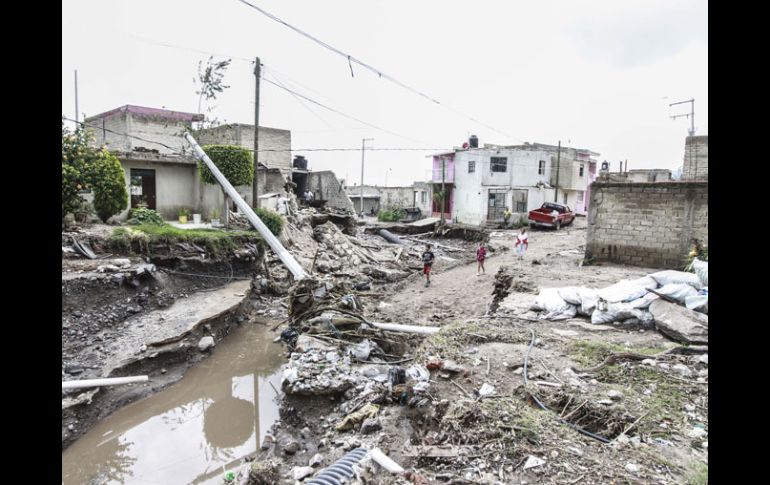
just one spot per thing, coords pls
(646, 224)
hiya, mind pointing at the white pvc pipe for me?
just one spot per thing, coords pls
(385, 462)
(272, 241)
(394, 327)
(111, 381)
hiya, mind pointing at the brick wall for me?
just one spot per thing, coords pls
(696, 158)
(646, 224)
(243, 135)
(325, 186)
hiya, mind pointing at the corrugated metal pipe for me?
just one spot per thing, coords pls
(341, 471)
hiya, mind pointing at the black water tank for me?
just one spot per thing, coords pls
(474, 141)
(300, 163)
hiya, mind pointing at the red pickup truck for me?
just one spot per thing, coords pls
(551, 215)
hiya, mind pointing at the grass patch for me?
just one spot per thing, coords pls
(698, 474)
(144, 237)
(589, 353)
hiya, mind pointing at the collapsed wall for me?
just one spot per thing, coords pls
(646, 224)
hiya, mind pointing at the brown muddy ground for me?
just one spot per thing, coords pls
(654, 414)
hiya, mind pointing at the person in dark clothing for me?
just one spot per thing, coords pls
(427, 263)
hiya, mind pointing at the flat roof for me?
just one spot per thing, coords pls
(146, 111)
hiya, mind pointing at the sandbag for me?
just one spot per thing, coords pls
(644, 302)
(701, 269)
(648, 282)
(672, 276)
(622, 291)
(699, 303)
(562, 314)
(575, 295)
(548, 300)
(620, 312)
(553, 305)
(677, 291)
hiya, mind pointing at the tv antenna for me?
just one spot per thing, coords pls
(690, 115)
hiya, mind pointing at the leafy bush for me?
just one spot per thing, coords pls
(70, 197)
(143, 215)
(86, 167)
(391, 215)
(235, 163)
(109, 185)
(272, 220)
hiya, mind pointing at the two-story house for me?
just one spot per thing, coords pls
(481, 182)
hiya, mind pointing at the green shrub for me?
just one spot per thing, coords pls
(235, 163)
(391, 215)
(70, 197)
(86, 167)
(272, 220)
(109, 186)
(143, 215)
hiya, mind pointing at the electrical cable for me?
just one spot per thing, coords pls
(545, 408)
(376, 71)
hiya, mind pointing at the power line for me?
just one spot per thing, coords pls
(376, 71)
(338, 112)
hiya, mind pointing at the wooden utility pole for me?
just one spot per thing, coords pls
(558, 167)
(443, 190)
(255, 184)
(77, 111)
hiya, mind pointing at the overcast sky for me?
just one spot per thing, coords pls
(595, 74)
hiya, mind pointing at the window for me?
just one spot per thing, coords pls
(565, 199)
(581, 169)
(541, 168)
(499, 164)
(471, 167)
(423, 197)
(580, 196)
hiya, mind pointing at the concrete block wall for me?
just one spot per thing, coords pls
(646, 224)
(696, 158)
(325, 186)
(243, 135)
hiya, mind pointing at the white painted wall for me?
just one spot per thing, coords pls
(472, 189)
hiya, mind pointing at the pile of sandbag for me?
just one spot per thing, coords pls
(626, 301)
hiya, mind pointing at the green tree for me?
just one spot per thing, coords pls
(86, 167)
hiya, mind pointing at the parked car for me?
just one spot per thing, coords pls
(551, 215)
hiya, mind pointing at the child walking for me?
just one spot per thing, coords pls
(522, 241)
(427, 263)
(481, 254)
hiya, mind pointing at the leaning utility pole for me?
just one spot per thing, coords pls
(363, 148)
(255, 183)
(558, 166)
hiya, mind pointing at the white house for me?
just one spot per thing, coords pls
(481, 182)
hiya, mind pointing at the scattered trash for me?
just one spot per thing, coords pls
(368, 411)
(418, 373)
(615, 395)
(361, 350)
(533, 462)
(486, 390)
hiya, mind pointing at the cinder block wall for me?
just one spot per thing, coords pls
(696, 158)
(646, 224)
(326, 186)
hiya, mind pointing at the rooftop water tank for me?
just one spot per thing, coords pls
(474, 141)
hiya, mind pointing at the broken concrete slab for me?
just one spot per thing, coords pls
(679, 323)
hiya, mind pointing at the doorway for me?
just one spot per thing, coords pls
(143, 187)
(496, 206)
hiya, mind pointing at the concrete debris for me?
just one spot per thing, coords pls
(206, 343)
(370, 425)
(301, 472)
(486, 390)
(677, 322)
(291, 447)
(533, 462)
(317, 460)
